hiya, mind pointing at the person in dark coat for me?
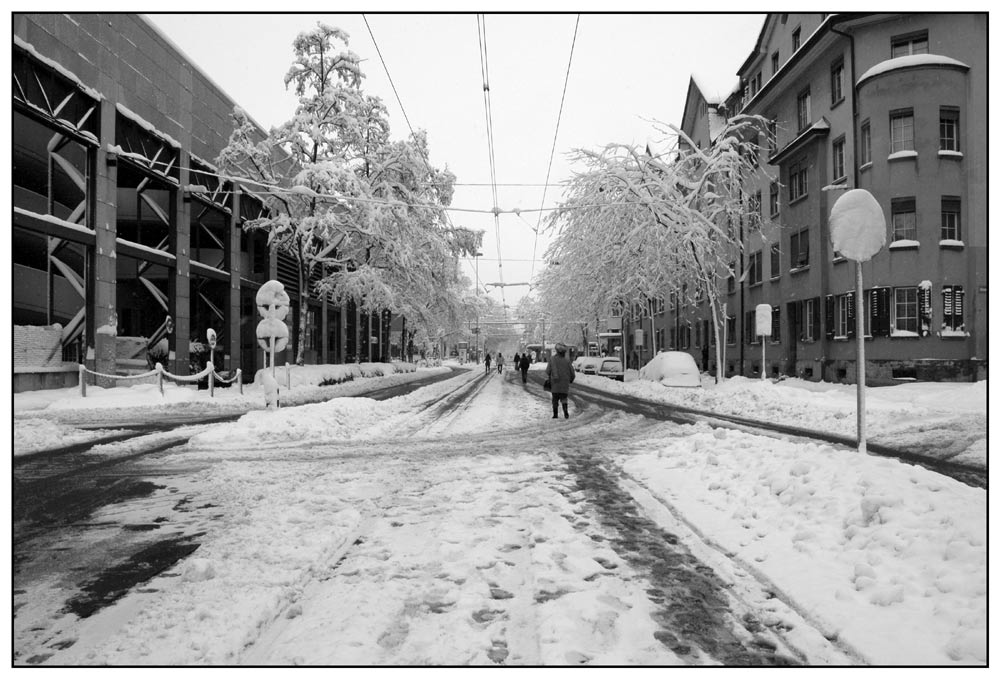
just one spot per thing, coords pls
(561, 374)
(523, 364)
(517, 361)
(487, 361)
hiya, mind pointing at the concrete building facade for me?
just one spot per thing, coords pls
(126, 241)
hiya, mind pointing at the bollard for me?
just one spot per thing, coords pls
(83, 380)
(159, 377)
(288, 376)
(239, 379)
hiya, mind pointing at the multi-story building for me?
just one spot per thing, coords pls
(126, 242)
(891, 103)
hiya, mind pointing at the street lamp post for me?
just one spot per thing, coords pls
(476, 257)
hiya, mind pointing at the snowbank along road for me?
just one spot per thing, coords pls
(467, 527)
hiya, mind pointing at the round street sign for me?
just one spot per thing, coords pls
(857, 225)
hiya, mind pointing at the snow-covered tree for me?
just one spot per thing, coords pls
(637, 226)
(346, 202)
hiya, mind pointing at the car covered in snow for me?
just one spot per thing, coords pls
(587, 364)
(672, 369)
(611, 368)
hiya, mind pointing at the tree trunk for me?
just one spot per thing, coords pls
(303, 309)
(720, 370)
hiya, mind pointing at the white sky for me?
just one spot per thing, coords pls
(627, 69)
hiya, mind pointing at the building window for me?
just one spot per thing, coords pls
(951, 218)
(798, 180)
(753, 208)
(843, 322)
(904, 219)
(953, 301)
(839, 159)
(866, 143)
(901, 130)
(750, 327)
(756, 268)
(810, 320)
(772, 136)
(798, 251)
(754, 86)
(775, 260)
(905, 311)
(731, 331)
(796, 39)
(731, 280)
(837, 82)
(949, 129)
(773, 202)
(774, 63)
(911, 43)
(804, 112)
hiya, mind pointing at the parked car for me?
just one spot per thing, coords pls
(672, 369)
(611, 368)
(588, 364)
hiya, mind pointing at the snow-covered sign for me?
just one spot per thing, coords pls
(763, 321)
(857, 225)
(212, 338)
(272, 303)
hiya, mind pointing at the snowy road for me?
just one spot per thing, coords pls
(461, 525)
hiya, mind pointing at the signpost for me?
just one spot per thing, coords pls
(272, 333)
(763, 328)
(212, 339)
(857, 231)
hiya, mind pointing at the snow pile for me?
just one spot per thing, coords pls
(34, 434)
(337, 419)
(888, 558)
(943, 419)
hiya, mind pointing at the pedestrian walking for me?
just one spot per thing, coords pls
(524, 364)
(487, 361)
(561, 374)
(517, 361)
(499, 362)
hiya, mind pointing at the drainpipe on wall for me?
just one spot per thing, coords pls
(857, 172)
(854, 108)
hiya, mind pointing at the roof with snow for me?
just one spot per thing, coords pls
(911, 61)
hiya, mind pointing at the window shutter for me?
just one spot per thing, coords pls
(947, 301)
(776, 324)
(815, 318)
(959, 306)
(829, 316)
(924, 301)
(880, 312)
(852, 321)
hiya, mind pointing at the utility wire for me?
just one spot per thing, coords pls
(484, 66)
(555, 136)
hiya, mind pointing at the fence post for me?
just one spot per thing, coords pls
(288, 376)
(239, 379)
(83, 380)
(159, 377)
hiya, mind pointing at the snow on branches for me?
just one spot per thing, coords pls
(637, 226)
(361, 212)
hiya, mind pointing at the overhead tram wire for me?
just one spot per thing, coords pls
(552, 154)
(484, 66)
(402, 108)
(399, 100)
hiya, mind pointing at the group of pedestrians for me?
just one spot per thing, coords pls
(559, 373)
